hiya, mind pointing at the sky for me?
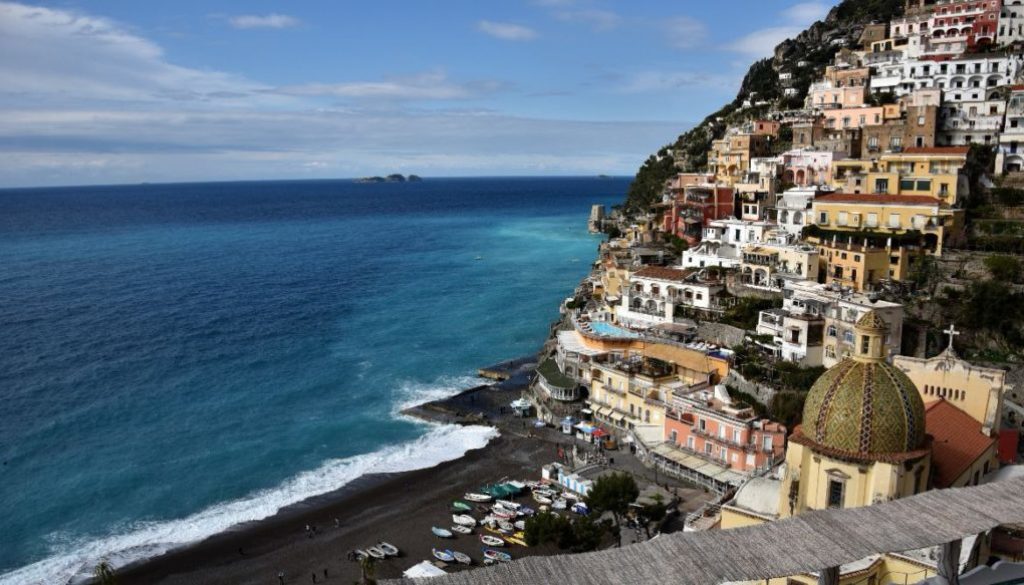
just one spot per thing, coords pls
(106, 91)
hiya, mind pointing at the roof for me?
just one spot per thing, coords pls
(760, 495)
(802, 544)
(662, 273)
(957, 441)
(423, 570)
(947, 150)
(872, 320)
(1008, 441)
(865, 410)
(878, 198)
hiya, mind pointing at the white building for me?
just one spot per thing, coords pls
(1010, 155)
(654, 293)
(963, 78)
(792, 212)
(815, 325)
(722, 240)
(972, 121)
(770, 265)
(1011, 23)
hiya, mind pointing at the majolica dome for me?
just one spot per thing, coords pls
(864, 406)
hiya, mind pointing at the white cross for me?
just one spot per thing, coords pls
(951, 332)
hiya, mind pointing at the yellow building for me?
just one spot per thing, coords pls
(867, 437)
(889, 216)
(976, 390)
(931, 172)
(730, 156)
(860, 267)
(630, 391)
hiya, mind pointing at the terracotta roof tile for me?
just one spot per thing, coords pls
(877, 198)
(957, 441)
(662, 273)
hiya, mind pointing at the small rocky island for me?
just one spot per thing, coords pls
(395, 178)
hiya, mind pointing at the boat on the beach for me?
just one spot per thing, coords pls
(541, 499)
(515, 540)
(580, 508)
(461, 506)
(376, 552)
(519, 524)
(526, 511)
(460, 557)
(476, 497)
(508, 505)
(558, 504)
(360, 554)
(388, 548)
(546, 492)
(462, 529)
(443, 555)
(463, 520)
(506, 527)
(491, 540)
(441, 532)
(497, 555)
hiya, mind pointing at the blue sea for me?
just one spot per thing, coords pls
(175, 359)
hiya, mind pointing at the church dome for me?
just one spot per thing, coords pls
(864, 406)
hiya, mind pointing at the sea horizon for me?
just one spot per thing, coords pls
(257, 331)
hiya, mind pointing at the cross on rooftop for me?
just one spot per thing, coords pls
(951, 332)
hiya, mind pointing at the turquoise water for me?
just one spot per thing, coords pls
(179, 358)
(609, 330)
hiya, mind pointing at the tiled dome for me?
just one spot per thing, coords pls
(864, 406)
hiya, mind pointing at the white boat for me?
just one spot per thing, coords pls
(490, 540)
(460, 557)
(519, 524)
(376, 552)
(443, 555)
(547, 493)
(508, 505)
(462, 529)
(360, 554)
(389, 549)
(475, 497)
(463, 520)
(505, 527)
(502, 513)
(497, 555)
(441, 532)
(558, 504)
(541, 499)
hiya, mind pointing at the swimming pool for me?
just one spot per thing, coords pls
(609, 330)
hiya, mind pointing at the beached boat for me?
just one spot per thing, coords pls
(463, 520)
(461, 529)
(443, 555)
(515, 540)
(526, 511)
(360, 554)
(460, 557)
(547, 493)
(508, 505)
(376, 552)
(505, 527)
(502, 513)
(541, 499)
(461, 506)
(441, 532)
(497, 555)
(389, 549)
(491, 540)
(558, 504)
(580, 508)
(476, 497)
(519, 524)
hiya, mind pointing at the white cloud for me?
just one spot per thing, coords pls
(119, 111)
(667, 81)
(806, 13)
(761, 43)
(599, 20)
(685, 32)
(506, 31)
(426, 86)
(263, 21)
(796, 18)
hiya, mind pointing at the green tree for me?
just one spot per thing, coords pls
(613, 493)
(679, 245)
(547, 527)
(1003, 268)
(104, 573)
(587, 534)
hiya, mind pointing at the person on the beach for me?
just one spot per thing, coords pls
(280, 577)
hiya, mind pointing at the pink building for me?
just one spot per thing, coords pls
(855, 117)
(825, 95)
(690, 212)
(710, 426)
(809, 167)
(976, 21)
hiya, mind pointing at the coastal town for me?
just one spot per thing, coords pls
(776, 326)
(798, 357)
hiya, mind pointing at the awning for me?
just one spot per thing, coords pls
(704, 467)
(422, 570)
(598, 433)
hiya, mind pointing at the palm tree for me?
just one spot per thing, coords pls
(104, 573)
(367, 566)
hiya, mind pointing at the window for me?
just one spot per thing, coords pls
(673, 437)
(906, 184)
(842, 219)
(707, 448)
(736, 436)
(702, 424)
(924, 185)
(832, 331)
(865, 344)
(823, 218)
(689, 443)
(894, 220)
(835, 493)
(881, 185)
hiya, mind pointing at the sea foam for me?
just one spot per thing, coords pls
(73, 561)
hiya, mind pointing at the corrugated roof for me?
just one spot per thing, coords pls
(801, 544)
(957, 441)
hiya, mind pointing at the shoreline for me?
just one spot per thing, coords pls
(376, 506)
